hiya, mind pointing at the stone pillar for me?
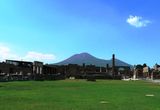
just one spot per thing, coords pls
(113, 64)
(40, 70)
(107, 68)
(152, 75)
(38, 67)
(100, 69)
(37, 70)
(84, 66)
(134, 73)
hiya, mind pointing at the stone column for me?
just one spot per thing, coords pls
(100, 69)
(113, 64)
(134, 73)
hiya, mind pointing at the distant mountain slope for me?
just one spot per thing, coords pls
(89, 59)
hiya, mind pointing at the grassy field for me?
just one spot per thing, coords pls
(79, 95)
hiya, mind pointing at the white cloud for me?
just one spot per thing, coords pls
(137, 21)
(39, 56)
(6, 53)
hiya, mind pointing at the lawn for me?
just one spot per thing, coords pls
(79, 95)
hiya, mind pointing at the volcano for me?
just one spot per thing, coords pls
(88, 59)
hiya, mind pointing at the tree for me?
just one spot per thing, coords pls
(144, 65)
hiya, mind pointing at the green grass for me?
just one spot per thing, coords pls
(79, 95)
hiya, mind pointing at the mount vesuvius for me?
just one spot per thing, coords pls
(88, 59)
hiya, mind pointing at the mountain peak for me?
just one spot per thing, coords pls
(83, 55)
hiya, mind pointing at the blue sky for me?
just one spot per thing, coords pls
(52, 30)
